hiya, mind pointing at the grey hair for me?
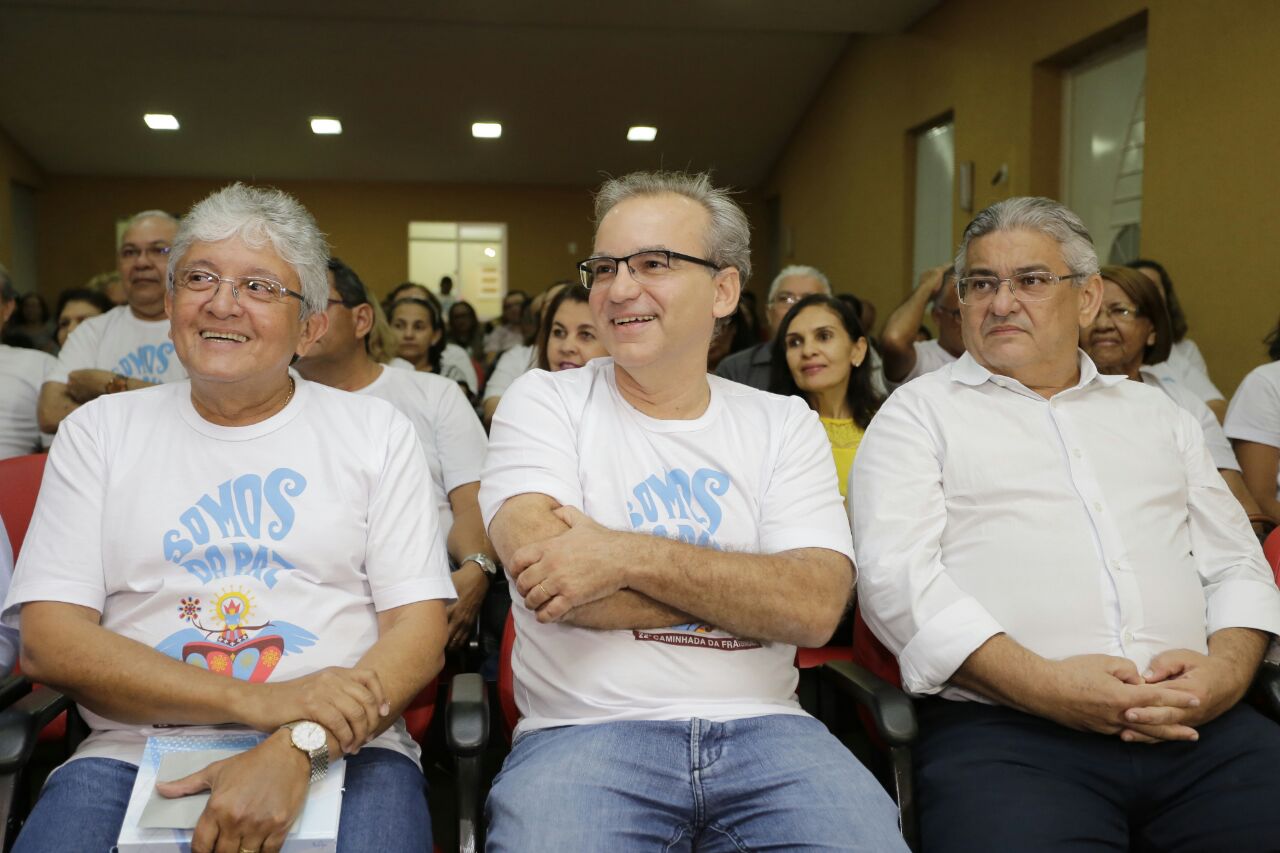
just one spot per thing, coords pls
(138, 217)
(795, 270)
(729, 234)
(1034, 213)
(261, 217)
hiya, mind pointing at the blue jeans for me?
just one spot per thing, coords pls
(384, 806)
(778, 782)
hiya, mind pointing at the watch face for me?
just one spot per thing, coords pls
(309, 736)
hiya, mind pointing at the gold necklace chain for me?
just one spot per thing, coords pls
(289, 397)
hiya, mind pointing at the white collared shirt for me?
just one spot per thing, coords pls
(1093, 522)
(1215, 440)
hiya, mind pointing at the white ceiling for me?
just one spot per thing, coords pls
(725, 81)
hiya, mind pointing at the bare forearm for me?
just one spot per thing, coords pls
(467, 535)
(1243, 648)
(626, 610)
(1219, 409)
(408, 654)
(1236, 484)
(54, 405)
(897, 341)
(1004, 671)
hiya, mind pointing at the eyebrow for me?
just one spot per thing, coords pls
(1018, 271)
(656, 247)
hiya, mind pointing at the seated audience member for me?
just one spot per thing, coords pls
(340, 609)
(1053, 558)
(519, 359)
(752, 366)
(820, 354)
(1131, 336)
(32, 319)
(567, 335)
(447, 299)
(110, 285)
(1253, 425)
(128, 347)
(350, 356)
(464, 329)
(23, 370)
(905, 355)
(509, 330)
(409, 290)
(416, 323)
(76, 306)
(733, 336)
(1185, 358)
(671, 538)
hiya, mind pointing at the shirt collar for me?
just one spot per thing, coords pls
(967, 371)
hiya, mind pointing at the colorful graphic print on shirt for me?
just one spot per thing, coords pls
(148, 362)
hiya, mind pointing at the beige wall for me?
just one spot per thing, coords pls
(367, 223)
(1212, 190)
(15, 166)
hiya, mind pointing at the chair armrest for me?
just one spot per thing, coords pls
(21, 723)
(467, 715)
(12, 688)
(890, 706)
(1266, 684)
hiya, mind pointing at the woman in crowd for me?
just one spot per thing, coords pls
(465, 330)
(416, 322)
(567, 336)
(1184, 356)
(34, 322)
(1253, 425)
(273, 563)
(1132, 336)
(76, 306)
(820, 353)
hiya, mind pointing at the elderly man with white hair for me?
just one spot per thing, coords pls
(246, 551)
(128, 347)
(1057, 564)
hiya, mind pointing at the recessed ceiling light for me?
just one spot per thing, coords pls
(641, 133)
(160, 121)
(325, 126)
(486, 130)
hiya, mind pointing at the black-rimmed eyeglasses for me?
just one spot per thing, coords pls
(646, 267)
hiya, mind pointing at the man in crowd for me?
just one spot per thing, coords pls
(671, 538)
(1053, 557)
(751, 366)
(22, 372)
(905, 358)
(128, 347)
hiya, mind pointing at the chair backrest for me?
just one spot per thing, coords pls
(506, 680)
(870, 654)
(417, 717)
(1271, 550)
(20, 478)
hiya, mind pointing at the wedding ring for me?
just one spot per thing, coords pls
(544, 591)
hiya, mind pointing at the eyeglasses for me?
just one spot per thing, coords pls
(1121, 313)
(132, 253)
(259, 288)
(646, 267)
(787, 299)
(1024, 287)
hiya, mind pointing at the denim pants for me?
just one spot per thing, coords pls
(384, 806)
(778, 782)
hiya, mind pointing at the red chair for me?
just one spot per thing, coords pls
(1271, 550)
(21, 477)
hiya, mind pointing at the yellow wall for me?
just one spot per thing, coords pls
(15, 165)
(367, 223)
(1212, 189)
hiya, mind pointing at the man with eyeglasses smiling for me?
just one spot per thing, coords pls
(671, 538)
(1057, 564)
(793, 283)
(128, 347)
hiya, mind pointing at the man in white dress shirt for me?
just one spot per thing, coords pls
(1053, 557)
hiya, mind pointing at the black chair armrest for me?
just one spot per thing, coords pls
(1266, 684)
(890, 706)
(21, 722)
(467, 715)
(12, 688)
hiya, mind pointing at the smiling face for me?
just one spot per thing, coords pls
(573, 340)
(1114, 341)
(415, 331)
(222, 340)
(820, 353)
(1033, 342)
(143, 262)
(668, 322)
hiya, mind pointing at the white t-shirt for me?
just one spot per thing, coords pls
(511, 364)
(456, 365)
(451, 435)
(753, 474)
(1254, 413)
(120, 342)
(262, 552)
(1186, 362)
(1215, 440)
(929, 357)
(22, 372)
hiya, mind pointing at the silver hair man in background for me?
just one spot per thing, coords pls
(793, 283)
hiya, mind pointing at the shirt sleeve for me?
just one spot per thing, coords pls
(61, 557)
(531, 447)
(77, 353)
(455, 365)
(1254, 414)
(405, 558)
(1239, 587)
(1224, 458)
(510, 365)
(802, 507)
(1199, 383)
(897, 505)
(8, 636)
(460, 439)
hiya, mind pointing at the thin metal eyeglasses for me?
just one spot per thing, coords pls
(259, 288)
(130, 253)
(1121, 313)
(646, 267)
(1030, 286)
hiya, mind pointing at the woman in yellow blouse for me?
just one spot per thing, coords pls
(820, 353)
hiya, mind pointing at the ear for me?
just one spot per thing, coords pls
(1151, 338)
(859, 352)
(313, 329)
(728, 284)
(435, 339)
(363, 317)
(1090, 300)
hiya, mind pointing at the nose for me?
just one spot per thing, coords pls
(1103, 320)
(620, 292)
(223, 302)
(1003, 302)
